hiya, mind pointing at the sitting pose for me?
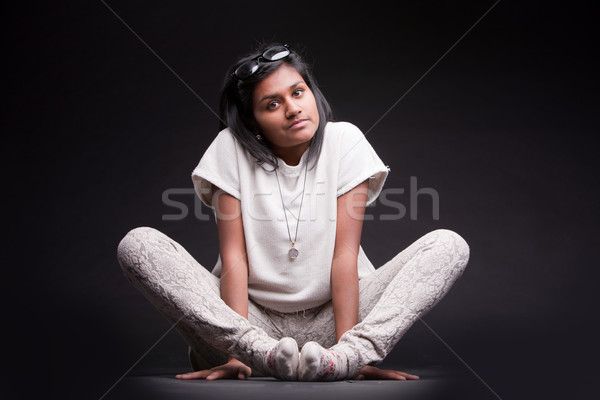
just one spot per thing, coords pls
(292, 295)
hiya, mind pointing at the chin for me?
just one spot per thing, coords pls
(306, 138)
(308, 132)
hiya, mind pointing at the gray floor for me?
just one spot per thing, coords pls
(435, 383)
(443, 376)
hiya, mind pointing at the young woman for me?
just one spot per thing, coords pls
(292, 294)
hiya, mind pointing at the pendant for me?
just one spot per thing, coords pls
(293, 253)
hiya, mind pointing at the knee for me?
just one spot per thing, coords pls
(454, 244)
(457, 241)
(132, 247)
(133, 238)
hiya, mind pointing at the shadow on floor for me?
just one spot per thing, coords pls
(435, 383)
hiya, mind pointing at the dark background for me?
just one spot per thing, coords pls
(97, 128)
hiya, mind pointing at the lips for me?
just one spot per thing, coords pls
(298, 123)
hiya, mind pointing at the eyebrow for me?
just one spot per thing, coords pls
(272, 96)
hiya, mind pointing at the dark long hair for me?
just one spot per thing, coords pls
(235, 108)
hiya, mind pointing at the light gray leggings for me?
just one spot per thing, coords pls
(390, 300)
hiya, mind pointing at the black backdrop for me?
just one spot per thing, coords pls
(109, 109)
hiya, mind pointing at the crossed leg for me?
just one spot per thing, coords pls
(390, 301)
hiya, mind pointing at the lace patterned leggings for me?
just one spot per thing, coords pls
(390, 300)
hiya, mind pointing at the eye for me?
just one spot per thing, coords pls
(298, 92)
(272, 105)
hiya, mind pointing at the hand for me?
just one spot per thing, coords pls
(233, 369)
(369, 372)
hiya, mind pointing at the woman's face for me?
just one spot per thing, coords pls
(286, 113)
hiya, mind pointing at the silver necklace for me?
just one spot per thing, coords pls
(293, 252)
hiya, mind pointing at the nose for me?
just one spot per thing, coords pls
(292, 109)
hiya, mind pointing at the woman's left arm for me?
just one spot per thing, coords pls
(344, 268)
(344, 273)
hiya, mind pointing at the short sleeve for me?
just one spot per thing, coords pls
(359, 162)
(218, 166)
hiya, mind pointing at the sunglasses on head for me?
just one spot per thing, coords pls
(249, 68)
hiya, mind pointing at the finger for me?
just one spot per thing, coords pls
(379, 374)
(409, 376)
(244, 372)
(215, 375)
(395, 375)
(390, 375)
(190, 375)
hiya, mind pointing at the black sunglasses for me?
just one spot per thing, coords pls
(249, 68)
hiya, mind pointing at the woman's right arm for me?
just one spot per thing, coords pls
(232, 248)
(234, 278)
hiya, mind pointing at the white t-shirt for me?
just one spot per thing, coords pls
(275, 281)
